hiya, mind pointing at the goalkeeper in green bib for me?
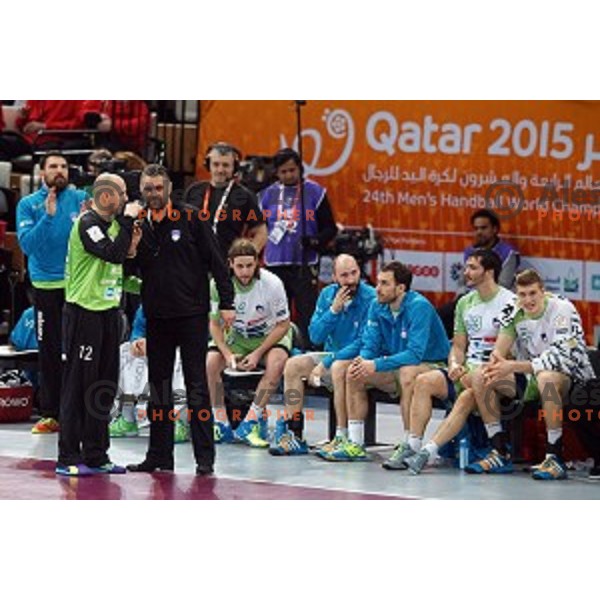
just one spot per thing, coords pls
(98, 246)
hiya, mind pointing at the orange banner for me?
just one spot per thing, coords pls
(417, 170)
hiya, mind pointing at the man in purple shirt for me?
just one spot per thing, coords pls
(300, 224)
(486, 227)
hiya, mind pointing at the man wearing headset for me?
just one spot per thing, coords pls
(231, 209)
(300, 223)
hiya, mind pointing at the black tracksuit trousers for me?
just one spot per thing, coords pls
(90, 381)
(190, 334)
(49, 306)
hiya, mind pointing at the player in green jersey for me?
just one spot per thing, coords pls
(550, 351)
(98, 245)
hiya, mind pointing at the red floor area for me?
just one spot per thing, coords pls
(35, 480)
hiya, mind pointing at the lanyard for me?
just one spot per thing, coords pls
(294, 206)
(221, 204)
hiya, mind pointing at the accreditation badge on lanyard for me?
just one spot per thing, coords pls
(287, 217)
(205, 210)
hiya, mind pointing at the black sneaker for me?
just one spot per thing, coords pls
(594, 473)
(204, 470)
(149, 466)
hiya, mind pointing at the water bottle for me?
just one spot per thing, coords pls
(463, 453)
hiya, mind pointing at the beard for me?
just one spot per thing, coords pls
(474, 282)
(352, 289)
(59, 182)
(155, 202)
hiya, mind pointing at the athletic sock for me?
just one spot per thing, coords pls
(432, 448)
(414, 441)
(553, 435)
(492, 429)
(254, 413)
(356, 431)
(554, 443)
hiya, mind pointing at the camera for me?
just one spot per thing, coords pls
(111, 165)
(364, 244)
(257, 172)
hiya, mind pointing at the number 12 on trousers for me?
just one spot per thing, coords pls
(85, 352)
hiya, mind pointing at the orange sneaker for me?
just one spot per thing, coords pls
(46, 425)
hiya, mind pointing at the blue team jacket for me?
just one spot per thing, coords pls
(416, 335)
(44, 239)
(337, 331)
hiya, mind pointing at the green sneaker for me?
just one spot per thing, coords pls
(417, 462)
(347, 451)
(122, 428)
(222, 433)
(249, 433)
(397, 461)
(330, 446)
(182, 432)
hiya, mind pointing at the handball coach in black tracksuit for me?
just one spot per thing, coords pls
(175, 254)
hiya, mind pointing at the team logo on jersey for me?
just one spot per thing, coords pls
(95, 233)
(112, 293)
(524, 335)
(473, 322)
(561, 322)
(176, 235)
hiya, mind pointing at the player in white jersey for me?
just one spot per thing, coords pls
(477, 320)
(260, 337)
(551, 352)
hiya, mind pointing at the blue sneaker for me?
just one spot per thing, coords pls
(109, 469)
(288, 445)
(79, 470)
(248, 432)
(223, 434)
(331, 446)
(263, 426)
(493, 463)
(551, 469)
(281, 429)
(347, 451)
